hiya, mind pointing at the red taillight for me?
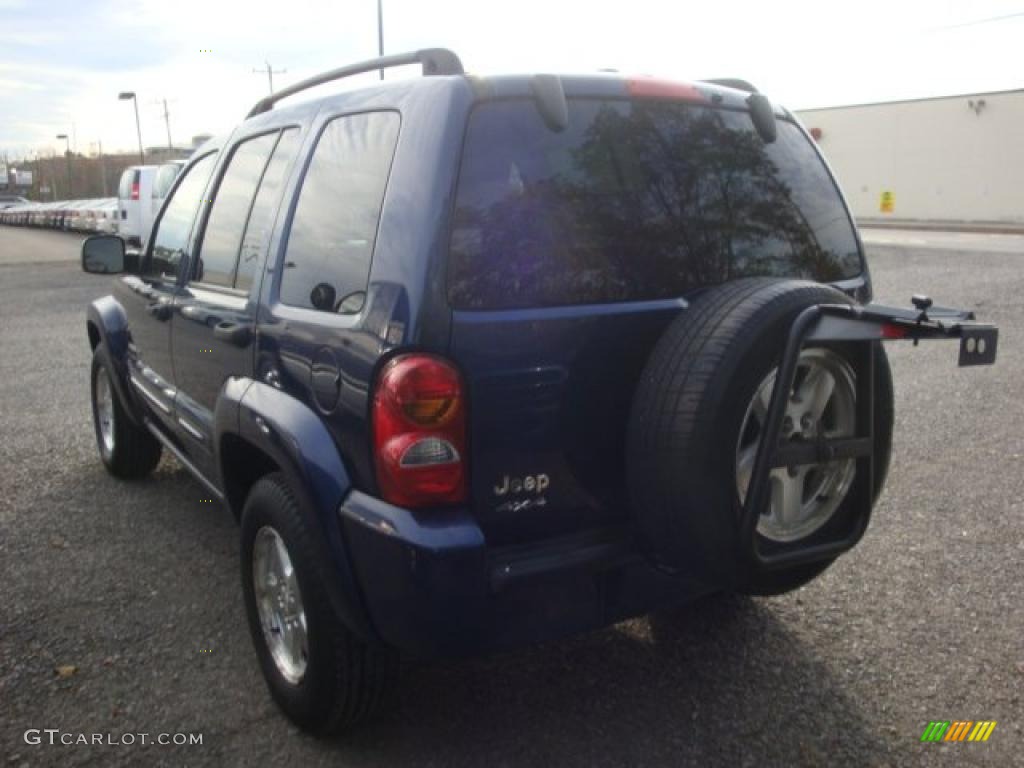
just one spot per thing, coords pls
(135, 190)
(419, 432)
(652, 88)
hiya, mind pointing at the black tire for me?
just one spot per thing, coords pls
(345, 680)
(134, 452)
(684, 426)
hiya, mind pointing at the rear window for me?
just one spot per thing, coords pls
(129, 177)
(636, 200)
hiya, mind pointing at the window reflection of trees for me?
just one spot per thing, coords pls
(654, 201)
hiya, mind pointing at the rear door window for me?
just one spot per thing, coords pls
(218, 253)
(332, 234)
(261, 217)
(636, 200)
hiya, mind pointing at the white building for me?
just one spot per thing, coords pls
(948, 159)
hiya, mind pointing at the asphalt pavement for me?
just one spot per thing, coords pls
(120, 606)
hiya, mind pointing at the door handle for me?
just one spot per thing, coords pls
(232, 333)
(160, 310)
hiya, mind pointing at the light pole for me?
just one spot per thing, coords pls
(67, 155)
(380, 33)
(130, 95)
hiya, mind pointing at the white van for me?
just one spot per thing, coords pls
(135, 203)
(162, 181)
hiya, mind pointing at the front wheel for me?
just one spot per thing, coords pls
(323, 677)
(126, 448)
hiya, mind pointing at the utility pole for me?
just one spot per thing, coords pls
(67, 154)
(380, 33)
(103, 168)
(167, 122)
(270, 73)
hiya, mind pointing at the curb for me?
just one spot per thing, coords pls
(980, 227)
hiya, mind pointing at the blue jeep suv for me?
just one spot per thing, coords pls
(478, 362)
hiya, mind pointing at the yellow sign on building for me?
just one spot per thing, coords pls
(888, 201)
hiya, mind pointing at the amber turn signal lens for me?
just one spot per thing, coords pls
(429, 412)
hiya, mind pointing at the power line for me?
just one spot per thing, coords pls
(270, 73)
(987, 20)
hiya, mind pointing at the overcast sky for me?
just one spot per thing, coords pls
(63, 62)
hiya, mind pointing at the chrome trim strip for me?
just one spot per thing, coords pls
(149, 395)
(191, 430)
(184, 462)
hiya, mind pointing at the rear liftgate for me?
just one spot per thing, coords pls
(844, 323)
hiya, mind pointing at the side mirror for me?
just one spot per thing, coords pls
(103, 255)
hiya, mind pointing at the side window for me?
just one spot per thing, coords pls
(230, 208)
(172, 231)
(327, 258)
(263, 207)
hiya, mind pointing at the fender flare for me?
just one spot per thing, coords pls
(295, 439)
(111, 322)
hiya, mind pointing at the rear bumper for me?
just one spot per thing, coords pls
(433, 588)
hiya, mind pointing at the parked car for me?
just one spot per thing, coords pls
(16, 215)
(73, 213)
(135, 202)
(60, 215)
(46, 214)
(483, 362)
(90, 214)
(106, 218)
(9, 201)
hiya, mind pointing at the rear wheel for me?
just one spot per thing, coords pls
(323, 677)
(696, 423)
(126, 448)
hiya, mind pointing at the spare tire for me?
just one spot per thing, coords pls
(694, 427)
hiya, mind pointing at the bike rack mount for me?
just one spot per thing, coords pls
(867, 324)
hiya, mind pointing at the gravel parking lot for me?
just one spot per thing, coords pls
(136, 587)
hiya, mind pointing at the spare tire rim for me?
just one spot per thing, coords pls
(279, 604)
(823, 402)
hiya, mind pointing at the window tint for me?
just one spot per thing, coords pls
(164, 178)
(230, 209)
(261, 218)
(174, 227)
(327, 261)
(636, 200)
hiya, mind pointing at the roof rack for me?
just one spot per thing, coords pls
(435, 61)
(733, 82)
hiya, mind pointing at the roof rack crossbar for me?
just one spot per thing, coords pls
(435, 61)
